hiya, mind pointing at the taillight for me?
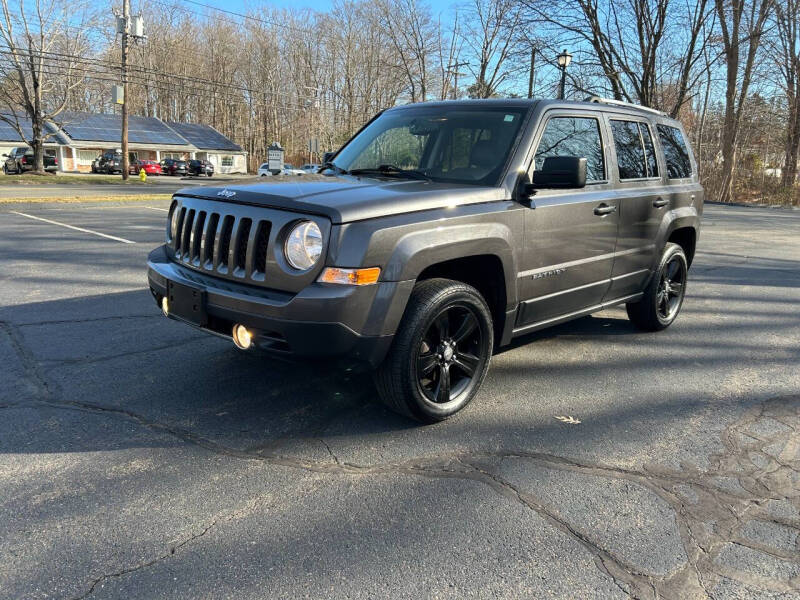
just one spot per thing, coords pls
(24, 160)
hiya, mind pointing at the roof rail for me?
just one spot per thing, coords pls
(613, 102)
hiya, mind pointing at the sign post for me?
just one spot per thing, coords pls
(275, 158)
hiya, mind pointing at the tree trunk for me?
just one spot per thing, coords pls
(789, 173)
(37, 145)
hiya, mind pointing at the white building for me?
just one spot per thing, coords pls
(80, 137)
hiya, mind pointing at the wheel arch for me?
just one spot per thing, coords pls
(484, 272)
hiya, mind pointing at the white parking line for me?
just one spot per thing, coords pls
(156, 208)
(105, 235)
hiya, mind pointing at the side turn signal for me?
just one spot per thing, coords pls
(350, 276)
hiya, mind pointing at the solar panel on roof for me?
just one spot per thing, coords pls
(8, 132)
(204, 137)
(108, 128)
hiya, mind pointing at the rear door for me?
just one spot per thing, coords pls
(643, 200)
(570, 235)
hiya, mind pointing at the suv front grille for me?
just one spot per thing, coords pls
(238, 242)
(222, 243)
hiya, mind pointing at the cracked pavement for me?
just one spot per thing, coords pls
(142, 459)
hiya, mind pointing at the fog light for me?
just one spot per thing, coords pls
(165, 306)
(242, 337)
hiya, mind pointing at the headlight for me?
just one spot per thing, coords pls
(303, 245)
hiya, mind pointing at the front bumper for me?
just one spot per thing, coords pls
(322, 321)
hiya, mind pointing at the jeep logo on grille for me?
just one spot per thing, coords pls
(226, 194)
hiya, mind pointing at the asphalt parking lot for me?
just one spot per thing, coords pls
(142, 459)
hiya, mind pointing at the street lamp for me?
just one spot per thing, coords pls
(563, 62)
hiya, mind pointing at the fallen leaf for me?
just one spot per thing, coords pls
(569, 420)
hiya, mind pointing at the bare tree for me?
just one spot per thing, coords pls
(641, 47)
(410, 27)
(489, 34)
(742, 24)
(787, 19)
(42, 45)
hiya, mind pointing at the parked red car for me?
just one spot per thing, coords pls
(150, 167)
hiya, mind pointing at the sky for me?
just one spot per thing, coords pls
(320, 5)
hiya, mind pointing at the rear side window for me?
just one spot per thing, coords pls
(676, 153)
(574, 136)
(630, 150)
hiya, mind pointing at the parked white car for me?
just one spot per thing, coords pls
(310, 167)
(263, 170)
(291, 170)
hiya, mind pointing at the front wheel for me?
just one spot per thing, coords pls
(663, 298)
(440, 353)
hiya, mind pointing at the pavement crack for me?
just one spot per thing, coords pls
(122, 572)
(88, 320)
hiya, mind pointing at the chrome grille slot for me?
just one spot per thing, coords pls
(197, 235)
(179, 230)
(186, 237)
(260, 250)
(224, 244)
(240, 253)
(207, 244)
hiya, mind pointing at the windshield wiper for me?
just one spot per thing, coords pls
(335, 168)
(391, 170)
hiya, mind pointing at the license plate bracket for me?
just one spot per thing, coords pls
(187, 303)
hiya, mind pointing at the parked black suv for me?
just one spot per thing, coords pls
(200, 167)
(444, 231)
(173, 166)
(110, 162)
(20, 160)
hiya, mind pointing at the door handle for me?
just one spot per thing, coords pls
(660, 202)
(604, 209)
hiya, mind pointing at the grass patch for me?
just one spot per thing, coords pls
(27, 179)
(88, 199)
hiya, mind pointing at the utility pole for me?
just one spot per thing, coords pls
(126, 20)
(454, 70)
(531, 75)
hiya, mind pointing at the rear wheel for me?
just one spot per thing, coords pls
(440, 353)
(663, 298)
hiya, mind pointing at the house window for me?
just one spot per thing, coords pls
(86, 156)
(227, 161)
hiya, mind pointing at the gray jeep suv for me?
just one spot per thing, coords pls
(441, 232)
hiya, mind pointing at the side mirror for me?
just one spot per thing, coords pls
(561, 172)
(327, 157)
(5, 155)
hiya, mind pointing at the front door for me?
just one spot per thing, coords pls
(570, 235)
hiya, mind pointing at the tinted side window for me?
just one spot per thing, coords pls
(649, 150)
(675, 152)
(574, 136)
(630, 152)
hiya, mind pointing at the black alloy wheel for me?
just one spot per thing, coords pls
(440, 353)
(449, 355)
(663, 298)
(671, 289)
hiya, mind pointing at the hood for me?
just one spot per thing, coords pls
(347, 198)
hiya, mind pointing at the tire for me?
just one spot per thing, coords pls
(5, 169)
(428, 345)
(660, 305)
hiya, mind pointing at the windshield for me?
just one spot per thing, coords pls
(459, 144)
